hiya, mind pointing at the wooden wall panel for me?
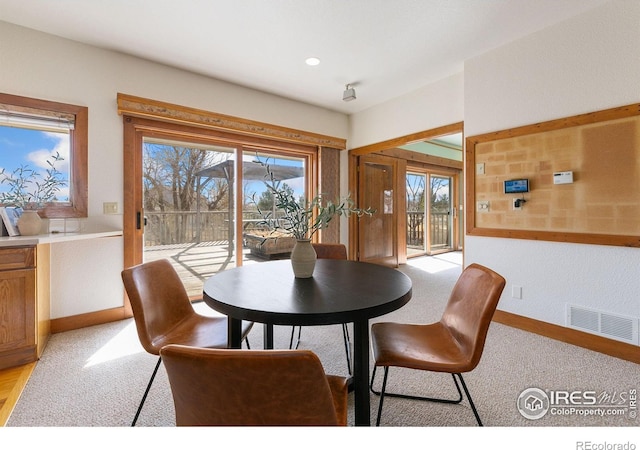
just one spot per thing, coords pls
(329, 160)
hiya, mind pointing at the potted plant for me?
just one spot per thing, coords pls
(29, 191)
(302, 218)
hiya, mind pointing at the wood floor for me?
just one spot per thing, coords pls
(12, 382)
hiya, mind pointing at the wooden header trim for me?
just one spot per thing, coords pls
(408, 139)
(141, 107)
(558, 124)
(421, 158)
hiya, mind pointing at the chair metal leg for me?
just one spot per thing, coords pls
(293, 331)
(146, 392)
(347, 346)
(345, 335)
(473, 406)
(382, 393)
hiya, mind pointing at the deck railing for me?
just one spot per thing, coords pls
(440, 236)
(179, 227)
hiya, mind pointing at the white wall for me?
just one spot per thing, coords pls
(582, 65)
(38, 65)
(585, 64)
(435, 105)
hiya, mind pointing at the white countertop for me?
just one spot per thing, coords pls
(52, 238)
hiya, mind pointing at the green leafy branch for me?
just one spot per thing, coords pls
(27, 190)
(298, 218)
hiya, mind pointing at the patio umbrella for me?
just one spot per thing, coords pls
(251, 170)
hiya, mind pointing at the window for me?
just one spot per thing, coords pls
(40, 142)
(192, 203)
(150, 121)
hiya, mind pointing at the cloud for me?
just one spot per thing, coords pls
(62, 146)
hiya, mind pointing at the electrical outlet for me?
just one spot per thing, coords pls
(517, 203)
(516, 292)
(110, 208)
(483, 206)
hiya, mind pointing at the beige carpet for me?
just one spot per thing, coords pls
(94, 377)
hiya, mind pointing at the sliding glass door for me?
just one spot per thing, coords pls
(431, 213)
(289, 172)
(188, 208)
(203, 207)
(416, 214)
(440, 214)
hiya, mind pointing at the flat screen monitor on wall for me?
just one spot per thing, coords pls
(516, 186)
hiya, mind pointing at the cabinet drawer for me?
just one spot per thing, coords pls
(17, 258)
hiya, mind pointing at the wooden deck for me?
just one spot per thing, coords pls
(195, 262)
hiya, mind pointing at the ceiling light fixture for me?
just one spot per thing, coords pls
(349, 93)
(312, 61)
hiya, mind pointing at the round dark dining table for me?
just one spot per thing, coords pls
(339, 292)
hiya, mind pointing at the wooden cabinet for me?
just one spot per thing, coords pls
(23, 331)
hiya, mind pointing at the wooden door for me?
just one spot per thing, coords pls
(378, 188)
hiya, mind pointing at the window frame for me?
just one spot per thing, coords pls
(77, 207)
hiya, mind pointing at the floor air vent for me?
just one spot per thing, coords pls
(604, 324)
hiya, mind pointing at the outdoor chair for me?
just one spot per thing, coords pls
(253, 387)
(164, 315)
(328, 251)
(453, 345)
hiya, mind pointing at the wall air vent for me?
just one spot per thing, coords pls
(612, 326)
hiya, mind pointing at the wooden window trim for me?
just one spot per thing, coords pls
(78, 186)
(137, 128)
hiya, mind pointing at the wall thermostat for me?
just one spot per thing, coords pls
(562, 177)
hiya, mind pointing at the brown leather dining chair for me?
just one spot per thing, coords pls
(453, 345)
(253, 387)
(164, 315)
(328, 251)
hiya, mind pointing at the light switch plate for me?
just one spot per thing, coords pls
(516, 292)
(110, 207)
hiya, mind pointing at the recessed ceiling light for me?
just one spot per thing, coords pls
(312, 61)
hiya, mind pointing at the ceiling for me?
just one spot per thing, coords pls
(384, 48)
(449, 146)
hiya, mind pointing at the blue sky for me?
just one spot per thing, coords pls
(21, 146)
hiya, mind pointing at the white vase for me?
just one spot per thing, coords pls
(29, 223)
(303, 258)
